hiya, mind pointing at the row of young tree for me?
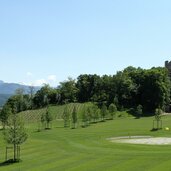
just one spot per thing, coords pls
(89, 114)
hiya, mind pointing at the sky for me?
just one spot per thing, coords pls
(46, 41)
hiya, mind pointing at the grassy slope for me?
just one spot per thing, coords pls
(87, 148)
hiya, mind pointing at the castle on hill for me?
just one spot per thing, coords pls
(168, 66)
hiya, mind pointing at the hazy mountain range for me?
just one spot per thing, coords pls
(8, 89)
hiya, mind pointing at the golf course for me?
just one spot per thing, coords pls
(89, 149)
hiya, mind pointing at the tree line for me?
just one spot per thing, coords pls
(130, 88)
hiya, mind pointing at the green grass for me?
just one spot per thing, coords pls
(86, 149)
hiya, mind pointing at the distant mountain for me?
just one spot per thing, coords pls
(8, 89)
(1, 82)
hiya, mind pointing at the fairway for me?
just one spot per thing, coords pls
(88, 148)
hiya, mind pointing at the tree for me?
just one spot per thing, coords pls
(158, 113)
(43, 120)
(84, 117)
(125, 89)
(68, 91)
(48, 118)
(15, 133)
(4, 114)
(89, 114)
(112, 110)
(74, 117)
(104, 112)
(19, 102)
(85, 86)
(95, 114)
(139, 111)
(41, 98)
(154, 89)
(66, 116)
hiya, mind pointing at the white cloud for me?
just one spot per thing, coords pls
(52, 78)
(39, 82)
(29, 74)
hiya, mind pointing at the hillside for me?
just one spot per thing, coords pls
(8, 89)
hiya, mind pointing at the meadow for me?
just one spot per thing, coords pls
(87, 149)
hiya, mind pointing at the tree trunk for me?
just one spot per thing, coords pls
(15, 152)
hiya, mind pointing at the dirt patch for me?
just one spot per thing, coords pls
(142, 140)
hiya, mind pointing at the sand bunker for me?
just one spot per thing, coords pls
(142, 140)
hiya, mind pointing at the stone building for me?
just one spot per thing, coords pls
(168, 66)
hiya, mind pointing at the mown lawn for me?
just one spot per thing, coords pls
(86, 149)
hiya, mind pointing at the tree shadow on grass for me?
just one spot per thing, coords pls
(155, 129)
(9, 162)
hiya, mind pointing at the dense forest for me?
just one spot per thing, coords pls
(127, 89)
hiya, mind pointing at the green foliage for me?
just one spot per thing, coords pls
(112, 110)
(104, 112)
(128, 88)
(68, 91)
(66, 116)
(88, 85)
(4, 115)
(44, 96)
(46, 119)
(74, 117)
(43, 118)
(139, 111)
(15, 133)
(158, 113)
(84, 117)
(95, 113)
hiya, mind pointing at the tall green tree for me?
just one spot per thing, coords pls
(41, 98)
(155, 89)
(68, 91)
(112, 110)
(104, 112)
(95, 114)
(4, 115)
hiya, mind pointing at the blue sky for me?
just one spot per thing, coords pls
(49, 40)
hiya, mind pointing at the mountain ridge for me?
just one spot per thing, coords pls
(9, 89)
